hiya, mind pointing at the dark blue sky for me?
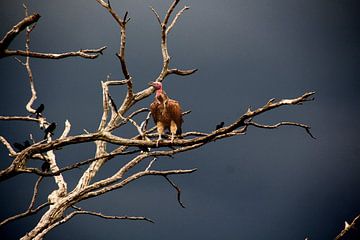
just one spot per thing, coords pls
(268, 184)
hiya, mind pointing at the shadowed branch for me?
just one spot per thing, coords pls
(30, 211)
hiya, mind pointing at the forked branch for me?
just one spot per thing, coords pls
(30, 210)
(28, 21)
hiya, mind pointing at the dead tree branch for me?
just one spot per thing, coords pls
(142, 146)
(306, 127)
(349, 229)
(28, 21)
(84, 53)
(97, 214)
(105, 136)
(12, 33)
(30, 210)
(20, 118)
(178, 190)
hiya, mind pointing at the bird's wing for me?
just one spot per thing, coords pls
(154, 109)
(175, 111)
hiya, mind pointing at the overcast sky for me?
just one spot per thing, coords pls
(268, 184)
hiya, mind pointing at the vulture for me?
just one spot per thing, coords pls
(166, 112)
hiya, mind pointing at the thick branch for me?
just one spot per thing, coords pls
(85, 53)
(11, 34)
(19, 118)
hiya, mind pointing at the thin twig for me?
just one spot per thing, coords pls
(176, 18)
(30, 210)
(98, 214)
(181, 72)
(150, 164)
(110, 184)
(306, 127)
(156, 15)
(178, 190)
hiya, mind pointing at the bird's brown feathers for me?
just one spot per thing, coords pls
(165, 110)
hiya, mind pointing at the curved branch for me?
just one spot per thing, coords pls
(29, 211)
(177, 190)
(306, 127)
(181, 72)
(156, 15)
(19, 27)
(105, 187)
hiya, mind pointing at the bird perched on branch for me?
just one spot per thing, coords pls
(220, 125)
(49, 130)
(45, 167)
(166, 112)
(39, 110)
(20, 146)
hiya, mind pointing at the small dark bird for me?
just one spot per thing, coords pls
(220, 125)
(49, 130)
(166, 112)
(45, 167)
(19, 146)
(39, 110)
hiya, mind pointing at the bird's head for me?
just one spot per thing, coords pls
(156, 85)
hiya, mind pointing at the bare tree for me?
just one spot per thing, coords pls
(62, 202)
